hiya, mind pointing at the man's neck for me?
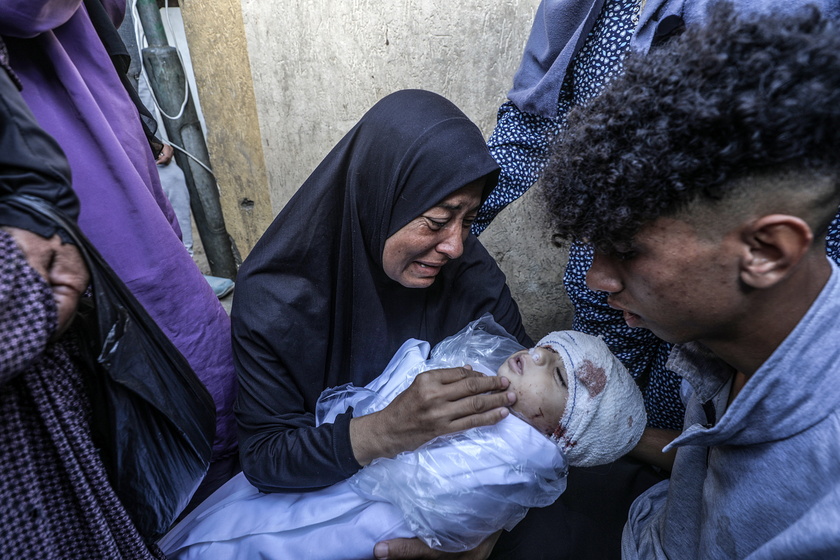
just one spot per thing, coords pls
(738, 383)
(773, 315)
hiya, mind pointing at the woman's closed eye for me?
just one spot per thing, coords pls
(436, 223)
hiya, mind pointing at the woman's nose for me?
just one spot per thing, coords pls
(452, 245)
(602, 276)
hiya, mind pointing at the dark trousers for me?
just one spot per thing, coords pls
(220, 471)
(586, 522)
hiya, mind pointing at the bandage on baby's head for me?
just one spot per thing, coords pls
(605, 413)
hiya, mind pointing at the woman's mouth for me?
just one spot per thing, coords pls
(429, 267)
(430, 264)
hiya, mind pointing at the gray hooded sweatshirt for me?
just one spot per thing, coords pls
(761, 480)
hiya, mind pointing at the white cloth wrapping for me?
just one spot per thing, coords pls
(452, 492)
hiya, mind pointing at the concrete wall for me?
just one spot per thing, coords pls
(316, 66)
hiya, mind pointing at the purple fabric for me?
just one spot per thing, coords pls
(76, 95)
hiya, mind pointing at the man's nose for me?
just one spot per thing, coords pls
(602, 275)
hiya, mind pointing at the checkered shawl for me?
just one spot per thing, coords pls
(55, 498)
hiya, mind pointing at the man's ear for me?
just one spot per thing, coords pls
(773, 246)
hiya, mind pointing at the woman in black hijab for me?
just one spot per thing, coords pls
(356, 263)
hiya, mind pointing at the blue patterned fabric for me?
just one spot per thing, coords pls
(521, 141)
(833, 239)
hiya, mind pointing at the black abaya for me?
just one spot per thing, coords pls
(313, 307)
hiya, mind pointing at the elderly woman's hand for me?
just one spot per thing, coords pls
(437, 402)
(62, 267)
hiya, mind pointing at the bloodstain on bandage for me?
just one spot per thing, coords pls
(592, 377)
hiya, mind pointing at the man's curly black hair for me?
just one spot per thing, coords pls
(732, 98)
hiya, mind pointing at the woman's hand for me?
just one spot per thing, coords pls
(398, 549)
(62, 267)
(165, 155)
(437, 402)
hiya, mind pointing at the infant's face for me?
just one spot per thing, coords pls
(539, 379)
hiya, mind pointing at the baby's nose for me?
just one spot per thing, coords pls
(535, 355)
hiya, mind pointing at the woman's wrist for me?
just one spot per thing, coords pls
(367, 439)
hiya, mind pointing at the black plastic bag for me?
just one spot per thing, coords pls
(153, 419)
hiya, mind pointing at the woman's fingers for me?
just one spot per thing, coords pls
(454, 384)
(416, 549)
(60, 264)
(457, 395)
(68, 276)
(475, 420)
(464, 399)
(437, 403)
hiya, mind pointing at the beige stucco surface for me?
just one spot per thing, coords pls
(315, 66)
(318, 65)
(520, 239)
(223, 77)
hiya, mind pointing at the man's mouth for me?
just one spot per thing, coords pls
(632, 319)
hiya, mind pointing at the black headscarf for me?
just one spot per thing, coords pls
(314, 308)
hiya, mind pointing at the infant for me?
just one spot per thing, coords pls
(572, 389)
(576, 405)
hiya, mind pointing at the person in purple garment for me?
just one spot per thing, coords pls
(72, 87)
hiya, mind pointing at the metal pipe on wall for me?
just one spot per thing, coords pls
(168, 83)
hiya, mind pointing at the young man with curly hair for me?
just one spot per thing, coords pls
(706, 179)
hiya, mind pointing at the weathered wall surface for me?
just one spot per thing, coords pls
(223, 77)
(520, 239)
(318, 65)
